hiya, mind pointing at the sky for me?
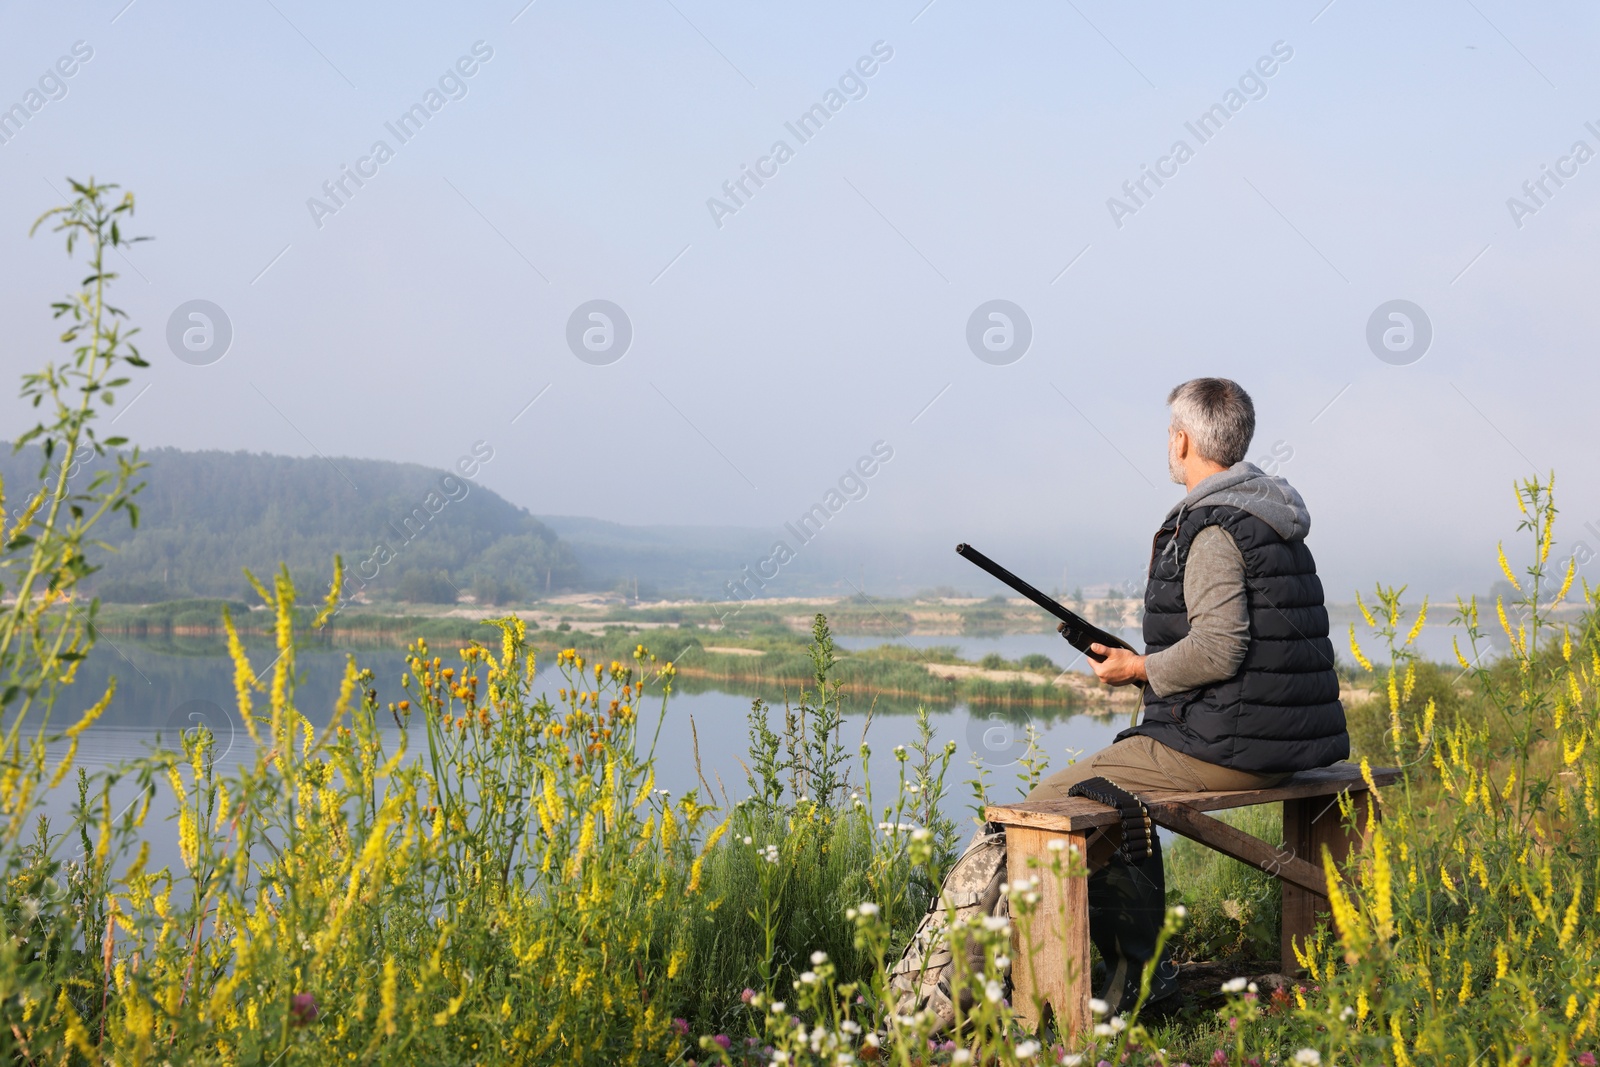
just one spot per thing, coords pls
(1356, 154)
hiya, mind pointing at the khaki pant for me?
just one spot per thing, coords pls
(1141, 763)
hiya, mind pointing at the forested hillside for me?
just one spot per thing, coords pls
(406, 532)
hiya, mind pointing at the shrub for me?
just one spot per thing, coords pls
(418, 586)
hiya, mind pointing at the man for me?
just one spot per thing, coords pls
(1239, 691)
(1238, 671)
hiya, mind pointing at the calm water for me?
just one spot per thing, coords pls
(163, 692)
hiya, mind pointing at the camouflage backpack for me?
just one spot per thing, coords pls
(921, 980)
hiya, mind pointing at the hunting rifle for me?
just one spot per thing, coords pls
(1078, 631)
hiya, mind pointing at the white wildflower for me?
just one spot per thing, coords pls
(992, 991)
(869, 908)
(1057, 844)
(1002, 961)
(808, 977)
(1118, 1024)
(960, 1055)
(1309, 1057)
(1234, 985)
(1102, 1030)
(1027, 1050)
(1099, 1007)
(819, 957)
(777, 1007)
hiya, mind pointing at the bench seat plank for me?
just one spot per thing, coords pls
(1079, 813)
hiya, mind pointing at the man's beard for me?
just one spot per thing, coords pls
(1175, 468)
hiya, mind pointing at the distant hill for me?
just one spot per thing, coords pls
(406, 532)
(416, 534)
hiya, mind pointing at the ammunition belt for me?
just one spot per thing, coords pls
(1138, 835)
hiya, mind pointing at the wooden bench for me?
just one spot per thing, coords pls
(1052, 978)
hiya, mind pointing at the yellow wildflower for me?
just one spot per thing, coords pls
(1569, 923)
(1416, 627)
(1345, 918)
(77, 1034)
(1400, 1057)
(1505, 568)
(244, 676)
(1355, 650)
(66, 764)
(1362, 604)
(1572, 572)
(386, 993)
(1366, 776)
(1382, 885)
(1481, 869)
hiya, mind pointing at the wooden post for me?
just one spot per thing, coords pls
(1308, 824)
(1050, 967)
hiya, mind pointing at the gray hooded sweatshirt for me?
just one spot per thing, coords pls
(1214, 582)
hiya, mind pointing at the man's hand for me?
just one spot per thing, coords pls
(1120, 667)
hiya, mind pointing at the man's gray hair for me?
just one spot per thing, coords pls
(1218, 416)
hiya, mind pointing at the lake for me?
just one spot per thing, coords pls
(163, 691)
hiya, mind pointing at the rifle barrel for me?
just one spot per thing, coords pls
(972, 555)
(1079, 632)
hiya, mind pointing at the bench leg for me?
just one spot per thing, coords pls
(1050, 967)
(1308, 824)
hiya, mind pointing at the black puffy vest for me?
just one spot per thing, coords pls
(1281, 711)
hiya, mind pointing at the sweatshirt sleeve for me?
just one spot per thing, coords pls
(1219, 619)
